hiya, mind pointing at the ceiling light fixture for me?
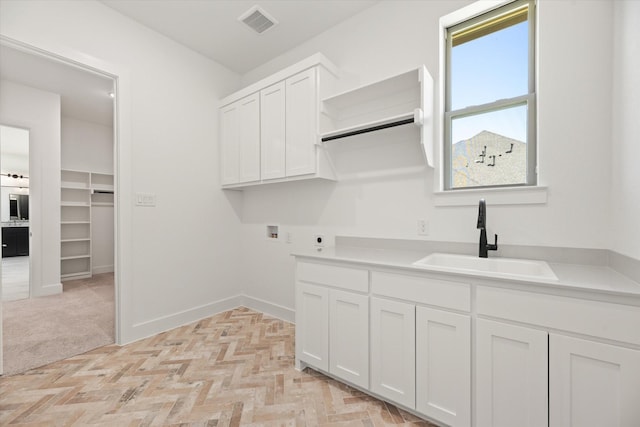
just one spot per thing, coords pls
(16, 176)
(258, 19)
(112, 95)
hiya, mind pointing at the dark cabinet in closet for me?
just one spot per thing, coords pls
(15, 241)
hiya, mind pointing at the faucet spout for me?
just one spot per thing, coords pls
(482, 215)
(484, 246)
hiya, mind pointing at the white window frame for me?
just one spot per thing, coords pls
(530, 192)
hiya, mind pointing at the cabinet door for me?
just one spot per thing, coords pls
(592, 384)
(511, 375)
(249, 137)
(9, 242)
(443, 366)
(393, 351)
(312, 325)
(349, 337)
(301, 126)
(272, 131)
(229, 144)
(22, 241)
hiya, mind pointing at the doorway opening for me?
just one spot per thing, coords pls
(75, 310)
(14, 212)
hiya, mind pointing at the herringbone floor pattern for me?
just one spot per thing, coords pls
(235, 368)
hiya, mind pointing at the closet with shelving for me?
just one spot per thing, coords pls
(82, 193)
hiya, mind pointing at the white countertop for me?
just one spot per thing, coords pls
(576, 277)
(17, 223)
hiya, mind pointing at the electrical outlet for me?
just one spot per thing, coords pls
(318, 240)
(423, 227)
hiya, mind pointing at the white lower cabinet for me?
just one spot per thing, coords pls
(349, 337)
(312, 325)
(421, 341)
(443, 366)
(592, 384)
(393, 354)
(511, 375)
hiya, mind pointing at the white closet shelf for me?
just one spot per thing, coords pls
(76, 204)
(64, 258)
(74, 186)
(101, 204)
(74, 222)
(102, 187)
(85, 239)
(77, 275)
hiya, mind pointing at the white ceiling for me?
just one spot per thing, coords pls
(83, 94)
(211, 27)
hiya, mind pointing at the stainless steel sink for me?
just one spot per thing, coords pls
(488, 267)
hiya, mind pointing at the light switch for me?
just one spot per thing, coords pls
(145, 199)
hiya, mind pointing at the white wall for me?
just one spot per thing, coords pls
(39, 111)
(176, 266)
(625, 195)
(86, 146)
(387, 198)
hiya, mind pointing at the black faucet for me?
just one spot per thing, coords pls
(482, 225)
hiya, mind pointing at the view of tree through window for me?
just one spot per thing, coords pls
(489, 98)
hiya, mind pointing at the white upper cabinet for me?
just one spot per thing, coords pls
(301, 126)
(230, 144)
(272, 131)
(249, 138)
(269, 130)
(240, 141)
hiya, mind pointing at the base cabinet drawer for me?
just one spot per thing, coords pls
(511, 376)
(592, 384)
(443, 366)
(393, 357)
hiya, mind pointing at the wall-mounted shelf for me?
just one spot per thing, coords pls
(399, 100)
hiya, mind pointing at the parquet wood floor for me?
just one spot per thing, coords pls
(235, 368)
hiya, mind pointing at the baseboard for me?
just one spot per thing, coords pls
(269, 308)
(161, 324)
(46, 290)
(102, 269)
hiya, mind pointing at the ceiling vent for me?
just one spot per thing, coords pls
(257, 19)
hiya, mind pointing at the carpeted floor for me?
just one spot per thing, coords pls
(38, 331)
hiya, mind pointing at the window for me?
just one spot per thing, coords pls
(489, 129)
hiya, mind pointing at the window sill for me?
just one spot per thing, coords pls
(494, 196)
